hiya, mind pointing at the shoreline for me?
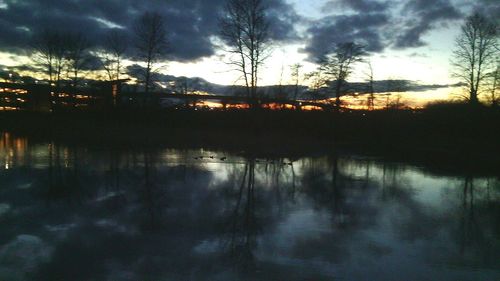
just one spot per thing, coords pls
(467, 141)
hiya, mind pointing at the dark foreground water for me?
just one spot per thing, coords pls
(86, 213)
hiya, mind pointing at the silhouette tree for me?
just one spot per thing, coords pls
(317, 81)
(371, 88)
(151, 43)
(50, 49)
(338, 64)
(76, 54)
(394, 88)
(244, 28)
(182, 85)
(495, 85)
(115, 48)
(296, 78)
(475, 53)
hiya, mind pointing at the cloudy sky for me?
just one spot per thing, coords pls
(408, 39)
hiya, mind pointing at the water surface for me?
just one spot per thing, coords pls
(95, 213)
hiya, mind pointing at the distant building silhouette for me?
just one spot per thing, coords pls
(41, 97)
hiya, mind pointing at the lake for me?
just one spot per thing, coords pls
(81, 212)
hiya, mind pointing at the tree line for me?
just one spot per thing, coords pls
(245, 33)
(245, 29)
(63, 55)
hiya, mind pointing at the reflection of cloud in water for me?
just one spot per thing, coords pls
(207, 247)
(4, 209)
(22, 256)
(303, 224)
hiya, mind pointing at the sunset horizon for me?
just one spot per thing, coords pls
(411, 41)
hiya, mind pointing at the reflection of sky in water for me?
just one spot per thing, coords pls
(98, 214)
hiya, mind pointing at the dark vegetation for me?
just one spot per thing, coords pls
(454, 134)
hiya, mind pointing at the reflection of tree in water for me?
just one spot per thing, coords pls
(361, 195)
(113, 174)
(243, 222)
(257, 193)
(478, 230)
(138, 231)
(315, 180)
(394, 185)
(279, 175)
(331, 184)
(469, 228)
(63, 180)
(417, 221)
(152, 194)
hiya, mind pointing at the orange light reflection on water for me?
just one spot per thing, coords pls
(12, 150)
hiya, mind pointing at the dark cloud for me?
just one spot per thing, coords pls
(13, 73)
(136, 71)
(379, 24)
(364, 29)
(364, 6)
(191, 24)
(421, 16)
(283, 19)
(384, 87)
(491, 8)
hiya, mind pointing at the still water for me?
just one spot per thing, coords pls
(90, 213)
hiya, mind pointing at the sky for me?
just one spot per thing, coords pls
(407, 39)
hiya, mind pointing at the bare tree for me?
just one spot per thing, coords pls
(280, 93)
(371, 87)
(151, 43)
(338, 64)
(317, 82)
(182, 85)
(112, 55)
(44, 53)
(394, 90)
(50, 52)
(76, 55)
(245, 30)
(475, 53)
(296, 76)
(495, 85)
